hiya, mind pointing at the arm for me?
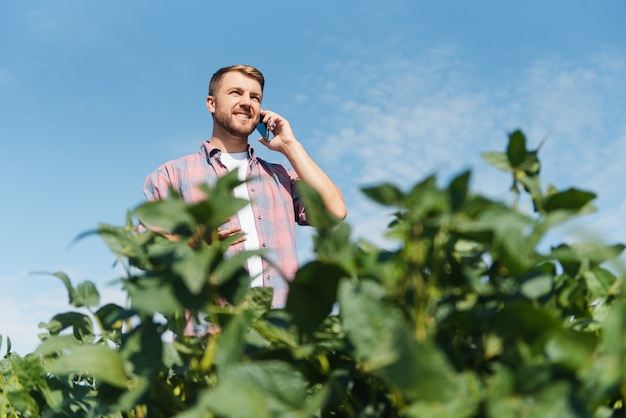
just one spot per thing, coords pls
(285, 142)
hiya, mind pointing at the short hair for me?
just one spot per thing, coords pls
(246, 70)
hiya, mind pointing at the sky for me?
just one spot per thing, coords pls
(95, 95)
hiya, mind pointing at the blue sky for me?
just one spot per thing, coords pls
(95, 95)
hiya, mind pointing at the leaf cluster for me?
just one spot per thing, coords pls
(466, 318)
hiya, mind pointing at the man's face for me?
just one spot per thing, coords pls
(236, 105)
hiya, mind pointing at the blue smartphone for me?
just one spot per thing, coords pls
(262, 129)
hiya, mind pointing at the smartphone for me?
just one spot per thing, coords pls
(262, 129)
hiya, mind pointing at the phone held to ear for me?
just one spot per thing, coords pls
(262, 129)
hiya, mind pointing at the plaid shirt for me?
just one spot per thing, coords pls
(275, 205)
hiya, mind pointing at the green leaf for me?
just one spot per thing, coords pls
(570, 199)
(600, 282)
(317, 214)
(511, 244)
(385, 194)
(537, 283)
(498, 160)
(458, 190)
(193, 267)
(258, 390)
(570, 350)
(110, 316)
(551, 401)
(142, 349)
(155, 294)
(420, 370)
(277, 328)
(516, 150)
(531, 165)
(103, 363)
(369, 322)
(232, 340)
(56, 344)
(125, 242)
(80, 323)
(313, 293)
(531, 322)
(87, 295)
(464, 404)
(170, 216)
(593, 253)
(532, 184)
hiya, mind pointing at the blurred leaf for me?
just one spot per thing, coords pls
(80, 323)
(86, 295)
(316, 212)
(537, 283)
(102, 362)
(600, 282)
(420, 370)
(571, 199)
(258, 390)
(124, 242)
(571, 350)
(532, 184)
(425, 200)
(142, 349)
(531, 322)
(230, 349)
(369, 322)
(111, 315)
(571, 256)
(498, 160)
(193, 267)
(386, 194)
(464, 404)
(312, 294)
(551, 401)
(511, 242)
(516, 150)
(530, 166)
(149, 295)
(458, 189)
(170, 216)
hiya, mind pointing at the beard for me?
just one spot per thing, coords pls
(226, 122)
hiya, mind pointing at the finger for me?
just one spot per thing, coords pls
(239, 240)
(222, 235)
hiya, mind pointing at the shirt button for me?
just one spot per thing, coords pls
(263, 245)
(252, 189)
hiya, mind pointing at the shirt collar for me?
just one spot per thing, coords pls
(209, 152)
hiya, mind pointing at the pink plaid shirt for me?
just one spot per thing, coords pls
(274, 201)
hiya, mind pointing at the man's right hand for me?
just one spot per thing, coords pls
(229, 232)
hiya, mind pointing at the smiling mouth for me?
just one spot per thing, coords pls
(243, 116)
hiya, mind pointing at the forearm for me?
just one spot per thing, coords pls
(314, 176)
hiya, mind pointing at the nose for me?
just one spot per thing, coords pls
(246, 99)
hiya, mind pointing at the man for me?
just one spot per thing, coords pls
(268, 222)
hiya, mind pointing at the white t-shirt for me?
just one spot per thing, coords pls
(239, 161)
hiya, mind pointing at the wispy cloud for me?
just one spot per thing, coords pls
(403, 120)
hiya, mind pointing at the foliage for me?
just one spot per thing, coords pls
(466, 318)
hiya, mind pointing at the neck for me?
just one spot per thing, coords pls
(227, 142)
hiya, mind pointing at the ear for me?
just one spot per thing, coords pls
(210, 104)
